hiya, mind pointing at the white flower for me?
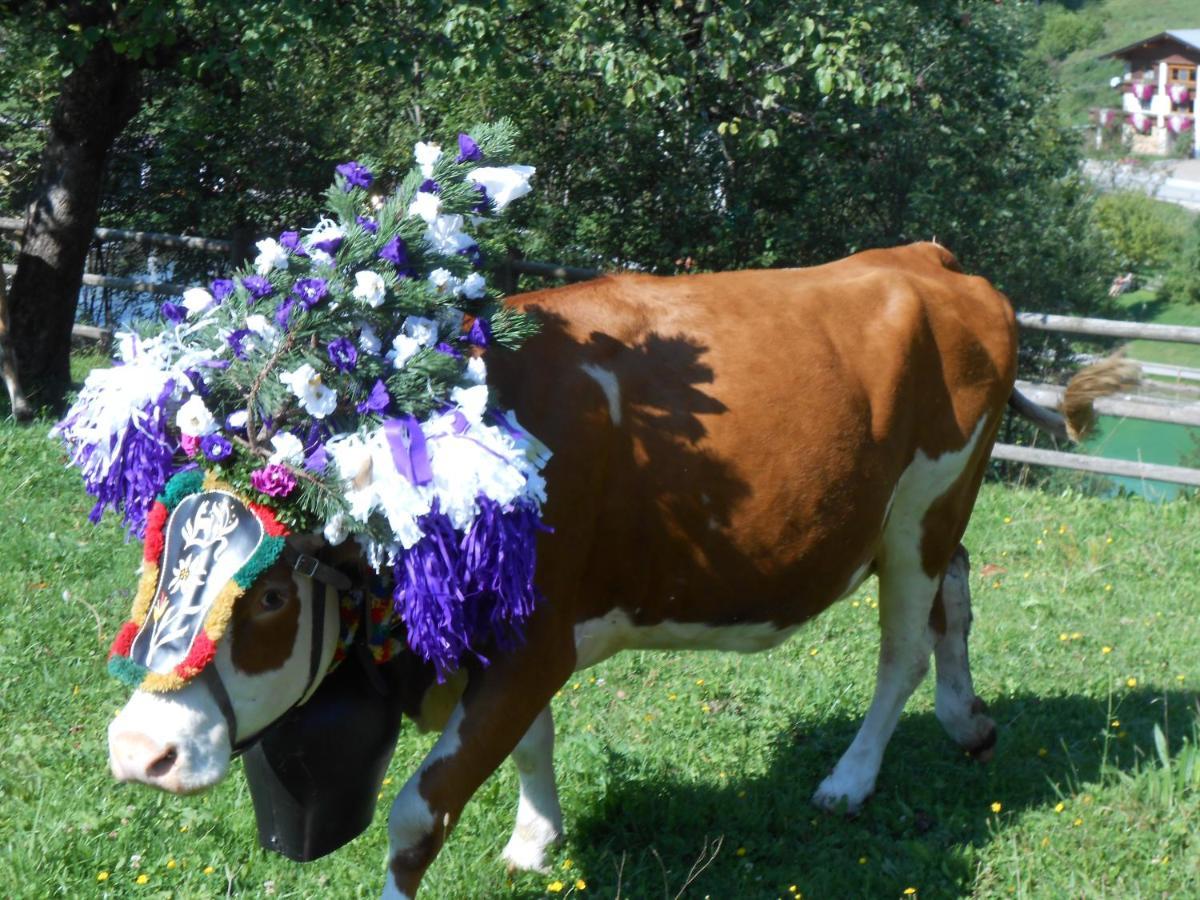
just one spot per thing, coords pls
(271, 255)
(445, 235)
(426, 155)
(194, 419)
(404, 348)
(368, 340)
(472, 401)
(504, 183)
(444, 282)
(315, 397)
(474, 286)
(336, 529)
(288, 448)
(326, 230)
(423, 331)
(197, 300)
(476, 370)
(370, 288)
(262, 328)
(426, 205)
(187, 578)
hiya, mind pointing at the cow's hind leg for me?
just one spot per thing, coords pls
(959, 710)
(539, 817)
(906, 595)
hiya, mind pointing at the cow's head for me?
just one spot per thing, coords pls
(230, 631)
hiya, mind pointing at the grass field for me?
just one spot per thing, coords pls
(1086, 640)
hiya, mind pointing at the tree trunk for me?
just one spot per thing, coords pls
(97, 100)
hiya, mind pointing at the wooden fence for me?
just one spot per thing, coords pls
(1154, 409)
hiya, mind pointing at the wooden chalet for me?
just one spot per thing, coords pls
(1158, 103)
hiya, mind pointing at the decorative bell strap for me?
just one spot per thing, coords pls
(312, 567)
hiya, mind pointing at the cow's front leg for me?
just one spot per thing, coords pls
(539, 817)
(501, 705)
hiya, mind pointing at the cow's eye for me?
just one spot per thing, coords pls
(272, 600)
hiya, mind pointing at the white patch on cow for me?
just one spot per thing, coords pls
(539, 816)
(608, 383)
(176, 741)
(955, 703)
(262, 698)
(599, 638)
(187, 729)
(410, 819)
(390, 891)
(905, 598)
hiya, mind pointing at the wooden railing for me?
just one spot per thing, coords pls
(1146, 408)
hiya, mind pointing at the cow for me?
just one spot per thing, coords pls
(733, 453)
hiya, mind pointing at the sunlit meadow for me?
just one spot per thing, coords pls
(680, 773)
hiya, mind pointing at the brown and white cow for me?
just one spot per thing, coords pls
(732, 454)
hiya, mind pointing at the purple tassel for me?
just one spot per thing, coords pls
(461, 593)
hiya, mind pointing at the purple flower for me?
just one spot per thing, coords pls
(378, 401)
(429, 186)
(481, 332)
(367, 225)
(283, 313)
(355, 174)
(317, 460)
(173, 312)
(290, 241)
(484, 201)
(258, 286)
(445, 348)
(274, 480)
(197, 381)
(216, 447)
(237, 342)
(342, 354)
(474, 254)
(395, 251)
(221, 288)
(468, 150)
(310, 291)
(328, 245)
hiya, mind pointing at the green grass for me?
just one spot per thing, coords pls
(662, 755)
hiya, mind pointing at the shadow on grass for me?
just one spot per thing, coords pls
(932, 809)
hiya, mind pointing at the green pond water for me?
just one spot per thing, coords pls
(1152, 442)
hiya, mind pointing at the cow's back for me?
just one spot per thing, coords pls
(727, 445)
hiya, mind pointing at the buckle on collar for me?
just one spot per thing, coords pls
(306, 565)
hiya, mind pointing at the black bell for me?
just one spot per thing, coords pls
(315, 775)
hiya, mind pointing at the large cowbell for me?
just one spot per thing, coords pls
(208, 538)
(315, 775)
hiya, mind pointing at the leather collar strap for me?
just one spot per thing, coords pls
(311, 567)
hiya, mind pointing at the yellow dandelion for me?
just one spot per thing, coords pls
(171, 863)
(1116, 723)
(1180, 677)
(387, 780)
(854, 603)
(1042, 751)
(580, 884)
(183, 829)
(997, 806)
(576, 686)
(1064, 637)
(567, 863)
(813, 652)
(1062, 529)
(142, 879)
(741, 851)
(672, 696)
(706, 707)
(1075, 635)
(792, 888)
(1059, 806)
(591, 679)
(1108, 587)
(1077, 822)
(862, 860)
(909, 891)
(102, 876)
(1106, 649)
(1108, 540)
(555, 887)
(1039, 542)
(1131, 682)
(1008, 520)
(1165, 860)
(700, 682)
(208, 870)
(648, 717)
(1045, 842)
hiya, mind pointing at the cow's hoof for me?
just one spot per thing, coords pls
(986, 748)
(835, 795)
(527, 855)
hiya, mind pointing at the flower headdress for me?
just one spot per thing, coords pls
(339, 382)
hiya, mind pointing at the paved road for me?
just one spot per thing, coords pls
(1175, 181)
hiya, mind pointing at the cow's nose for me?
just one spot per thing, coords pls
(136, 757)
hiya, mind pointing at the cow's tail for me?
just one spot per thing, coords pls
(1075, 415)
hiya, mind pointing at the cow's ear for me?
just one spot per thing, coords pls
(348, 557)
(308, 544)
